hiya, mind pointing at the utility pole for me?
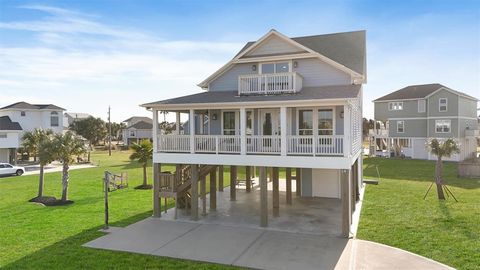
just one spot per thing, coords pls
(109, 134)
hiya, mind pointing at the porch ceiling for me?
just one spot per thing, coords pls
(309, 94)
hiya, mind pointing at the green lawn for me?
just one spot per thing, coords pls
(38, 237)
(394, 212)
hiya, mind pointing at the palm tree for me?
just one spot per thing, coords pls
(65, 147)
(143, 152)
(45, 155)
(445, 149)
(32, 139)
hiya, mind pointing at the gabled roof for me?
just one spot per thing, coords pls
(141, 125)
(27, 106)
(7, 124)
(419, 91)
(346, 51)
(223, 97)
(138, 119)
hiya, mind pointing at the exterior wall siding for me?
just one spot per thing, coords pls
(452, 102)
(318, 73)
(228, 81)
(274, 45)
(412, 128)
(453, 129)
(35, 119)
(306, 183)
(467, 107)
(410, 109)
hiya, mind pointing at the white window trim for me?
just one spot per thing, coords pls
(424, 102)
(440, 104)
(237, 121)
(403, 126)
(315, 120)
(445, 121)
(290, 62)
(393, 103)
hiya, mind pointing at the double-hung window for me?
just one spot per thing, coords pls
(400, 126)
(325, 122)
(54, 119)
(229, 125)
(442, 126)
(442, 105)
(395, 106)
(305, 122)
(422, 104)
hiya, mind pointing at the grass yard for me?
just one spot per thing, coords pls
(394, 212)
(38, 237)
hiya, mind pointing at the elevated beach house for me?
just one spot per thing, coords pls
(281, 102)
(408, 118)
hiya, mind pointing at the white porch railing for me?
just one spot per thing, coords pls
(315, 145)
(263, 144)
(265, 84)
(256, 144)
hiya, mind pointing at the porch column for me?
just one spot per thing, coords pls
(155, 130)
(275, 193)
(243, 133)
(213, 190)
(194, 188)
(346, 127)
(289, 185)
(233, 183)
(156, 190)
(191, 122)
(283, 131)
(220, 178)
(203, 194)
(202, 123)
(298, 181)
(248, 178)
(177, 123)
(263, 197)
(346, 206)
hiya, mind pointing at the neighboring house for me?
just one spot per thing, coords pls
(23, 117)
(70, 117)
(280, 102)
(138, 128)
(413, 115)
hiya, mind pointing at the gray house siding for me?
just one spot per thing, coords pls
(317, 73)
(452, 104)
(464, 124)
(412, 128)
(410, 109)
(338, 120)
(467, 107)
(228, 81)
(274, 45)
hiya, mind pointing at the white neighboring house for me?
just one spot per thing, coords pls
(70, 117)
(138, 128)
(281, 102)
(20, 117)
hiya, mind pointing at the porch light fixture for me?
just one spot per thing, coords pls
(341, 114)
(254, 67)
(214, 116)
(295, 64)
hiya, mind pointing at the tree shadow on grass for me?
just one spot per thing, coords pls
(447, 222)
(415, 170)
(70, 254)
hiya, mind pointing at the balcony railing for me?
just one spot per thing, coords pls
(255, 144)
(267, 84)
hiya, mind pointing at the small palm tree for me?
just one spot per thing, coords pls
(65, 147)
(142, 152)
(445, 149)
(45, 156)
(32, 139)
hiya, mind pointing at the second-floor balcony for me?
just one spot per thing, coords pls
(268, 84)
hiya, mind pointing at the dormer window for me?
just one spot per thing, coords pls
(275, 67)
(54, 119)
(442, 105)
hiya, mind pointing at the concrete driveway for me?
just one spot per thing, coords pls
(256, 247)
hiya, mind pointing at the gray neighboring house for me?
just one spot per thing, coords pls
(70, 117)
(138, 128)
(411, 116)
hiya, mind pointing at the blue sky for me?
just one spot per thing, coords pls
(86, 55)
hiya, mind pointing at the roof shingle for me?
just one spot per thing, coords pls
(417, 91)
(7, 124)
